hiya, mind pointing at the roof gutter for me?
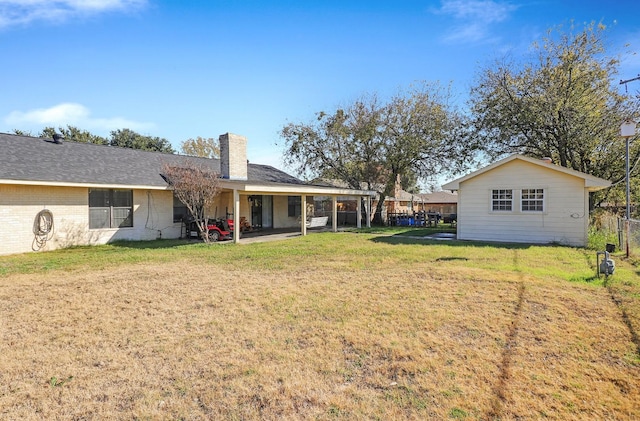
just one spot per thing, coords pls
(82, 185)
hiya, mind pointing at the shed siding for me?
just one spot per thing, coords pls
(563, 220)
(19, 206)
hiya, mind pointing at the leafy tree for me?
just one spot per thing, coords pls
(127, 138)
(75, 134)
(204, 148)
(196, 187)
(562, 104)
(416, 134)
(124, 138)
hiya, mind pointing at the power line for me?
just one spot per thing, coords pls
(627, 81)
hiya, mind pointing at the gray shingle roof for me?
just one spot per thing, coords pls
(440, 197)
(34, 159)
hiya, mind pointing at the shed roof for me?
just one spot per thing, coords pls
(591, 182)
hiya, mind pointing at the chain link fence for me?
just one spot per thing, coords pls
(634, 236)
(611, 229)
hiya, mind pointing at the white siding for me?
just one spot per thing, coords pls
(19, 205)
(564, 219)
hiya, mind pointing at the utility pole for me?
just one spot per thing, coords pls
(628, 130)
(627, 81)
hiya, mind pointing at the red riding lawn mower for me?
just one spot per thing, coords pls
(219, 229)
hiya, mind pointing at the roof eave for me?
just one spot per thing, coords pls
(292, 189)
(82, 185)
(591, 183)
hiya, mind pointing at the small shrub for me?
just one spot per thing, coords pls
(603, 229)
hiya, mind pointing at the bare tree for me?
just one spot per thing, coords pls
(197, 187)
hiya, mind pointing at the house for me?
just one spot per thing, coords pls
(401, 203)
(56, 193)
(442, 202)
(525, 200)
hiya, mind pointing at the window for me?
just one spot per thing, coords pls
(295, 206)
(502, 200)
(110, 208)
(532, 200)
(180, 211)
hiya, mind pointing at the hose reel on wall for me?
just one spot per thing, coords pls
(42, 229)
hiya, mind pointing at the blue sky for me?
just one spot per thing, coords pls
(181, 69)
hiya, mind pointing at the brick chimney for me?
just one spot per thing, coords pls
(233, 156)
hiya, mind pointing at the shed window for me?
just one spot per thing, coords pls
(109, 208)
(502, 200)
(532, 200)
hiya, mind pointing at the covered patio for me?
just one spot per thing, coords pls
(285, 209)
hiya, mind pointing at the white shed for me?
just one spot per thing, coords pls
(525, 200)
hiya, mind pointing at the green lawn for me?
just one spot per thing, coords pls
(360, 325)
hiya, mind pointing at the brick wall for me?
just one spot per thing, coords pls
(19, 206)
(233, 156)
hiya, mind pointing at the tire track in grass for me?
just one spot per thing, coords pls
(626, 319)
(507, 355)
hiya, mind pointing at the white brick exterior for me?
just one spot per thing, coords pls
(19, 206)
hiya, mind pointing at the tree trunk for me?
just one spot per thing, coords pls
(377, 216)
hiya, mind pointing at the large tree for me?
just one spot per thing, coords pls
(564, 104)
(75, 134)
(202, 147)
(418, 133)
(127, 138)
(124, 138)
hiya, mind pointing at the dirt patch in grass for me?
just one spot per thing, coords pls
(333, 337)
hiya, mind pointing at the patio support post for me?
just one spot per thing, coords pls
(334, 213)
(236, 216)
(303, 213)
(359, 213)
(368, 211)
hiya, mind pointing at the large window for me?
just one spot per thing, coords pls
(295, 206)
(180, 211)
(109, 208)
(502, 200)
(532, 200)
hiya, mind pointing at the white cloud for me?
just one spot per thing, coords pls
(22, 12)
(474, 18)
(71, 114)
(486, 11)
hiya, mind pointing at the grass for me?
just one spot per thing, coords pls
(328, 326)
